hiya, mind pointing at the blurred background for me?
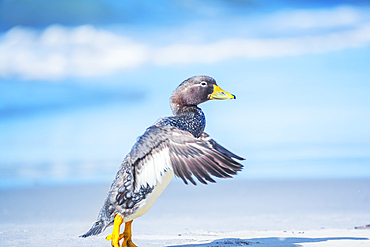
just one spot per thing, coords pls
(80, 80)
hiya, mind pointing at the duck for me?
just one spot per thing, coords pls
(173, 146)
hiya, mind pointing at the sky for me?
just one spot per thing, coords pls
(80, 80)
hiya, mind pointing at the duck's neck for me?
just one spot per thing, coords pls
(176, 103)
(187, 118)
(191, 119)
(175, 108)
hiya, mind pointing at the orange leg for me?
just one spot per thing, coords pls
(115, 236)
(126, 235)
(127, 242)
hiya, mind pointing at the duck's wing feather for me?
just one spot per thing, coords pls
(218, 147)
(165, 147)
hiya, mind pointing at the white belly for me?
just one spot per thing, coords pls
(147, 203)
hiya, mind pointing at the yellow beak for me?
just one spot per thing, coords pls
(218, 93)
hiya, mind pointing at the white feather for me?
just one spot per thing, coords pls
(157, 172)
(146, 204)
(153, 168)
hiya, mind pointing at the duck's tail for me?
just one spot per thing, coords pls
(98, 227)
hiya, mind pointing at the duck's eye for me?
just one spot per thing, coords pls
(203, 83)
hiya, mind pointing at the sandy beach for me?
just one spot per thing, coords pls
(229, 213)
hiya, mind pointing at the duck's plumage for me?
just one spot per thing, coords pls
(174, 145)
(189, 118)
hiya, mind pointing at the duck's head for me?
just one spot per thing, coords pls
(196, 90)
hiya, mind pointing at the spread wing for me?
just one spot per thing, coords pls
(162, 148)
(159, 150)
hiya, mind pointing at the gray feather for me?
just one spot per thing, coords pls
(96, 229)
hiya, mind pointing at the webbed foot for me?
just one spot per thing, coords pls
(126, 235)
(128, 243)
(115, 236)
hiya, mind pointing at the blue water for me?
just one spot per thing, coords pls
(58, 134)
(295, 117)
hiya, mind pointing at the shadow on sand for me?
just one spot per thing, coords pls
(286, 242)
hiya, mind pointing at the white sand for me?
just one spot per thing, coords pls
(229, 213)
